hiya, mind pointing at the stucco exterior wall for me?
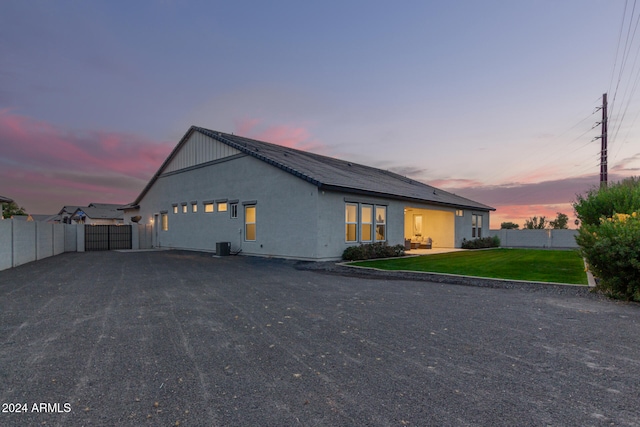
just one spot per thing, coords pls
(286, 207)
(331, 221)
(463, 225)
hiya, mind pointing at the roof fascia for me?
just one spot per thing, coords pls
(403, 198)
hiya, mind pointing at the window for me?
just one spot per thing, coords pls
(370, 221)
(208, 207)
(165, 221)
(194, 207)
(366, 223)
(381, 223)
(459, 212)
(184, 208)
(234, 210)
(351, 221)
(175, 209)
(250, 223)
(222, 206)
(476, 225)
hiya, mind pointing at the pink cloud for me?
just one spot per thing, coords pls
(629, 164)
(516, 202)
(455, 183)
(520, 213)
(557, 191)
(44, 166)
(288, 136)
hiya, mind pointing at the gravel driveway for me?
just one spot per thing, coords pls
(175, 338)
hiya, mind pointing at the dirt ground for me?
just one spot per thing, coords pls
(173, 338)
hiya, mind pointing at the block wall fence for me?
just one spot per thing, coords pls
(552, 239)
(26, 241)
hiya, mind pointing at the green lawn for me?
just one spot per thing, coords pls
(537, 265)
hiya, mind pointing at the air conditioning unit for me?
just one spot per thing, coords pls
(223, 248)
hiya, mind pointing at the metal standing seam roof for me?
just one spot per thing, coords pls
(330, 173)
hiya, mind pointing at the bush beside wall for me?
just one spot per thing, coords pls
(481, 243)
(371, 251)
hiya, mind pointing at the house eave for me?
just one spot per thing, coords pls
(370, 193)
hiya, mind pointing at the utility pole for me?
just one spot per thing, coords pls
(603, 146)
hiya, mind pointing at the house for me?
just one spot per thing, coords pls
(269, 200)
(98, 214)
(3, 200)
(64, 216)
(43, 217)
(94, 213)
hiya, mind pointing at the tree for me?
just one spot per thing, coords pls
(535, 223)
(12, 209)
(560, 223)
(509, 226)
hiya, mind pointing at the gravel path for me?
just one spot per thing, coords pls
(182, 338)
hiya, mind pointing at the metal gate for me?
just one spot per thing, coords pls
(107, 237)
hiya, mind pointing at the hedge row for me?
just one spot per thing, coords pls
(371, 251)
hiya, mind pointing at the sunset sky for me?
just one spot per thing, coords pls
(494, 100)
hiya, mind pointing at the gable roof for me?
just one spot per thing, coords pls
(99, 213)
(5, 199)
(68, 209)
(112, 206)
(328, 173)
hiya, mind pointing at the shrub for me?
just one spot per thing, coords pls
(481, 243)
(620, 197)
(613, 254)
(371, 251)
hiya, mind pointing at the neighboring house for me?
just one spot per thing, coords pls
(64, 216)
(44, 217)
(99, 213)
(104, 215)
(110, 206)
(271, 200)
(3, 200)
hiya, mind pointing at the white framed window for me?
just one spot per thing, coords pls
(175, 208)
(351, 222)
(381, 223)
(208, 207)
(366, 223)
(234, 210)
(164, 221)
(250, 223)
(476, 226)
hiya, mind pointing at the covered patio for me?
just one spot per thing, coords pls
(428, 229)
